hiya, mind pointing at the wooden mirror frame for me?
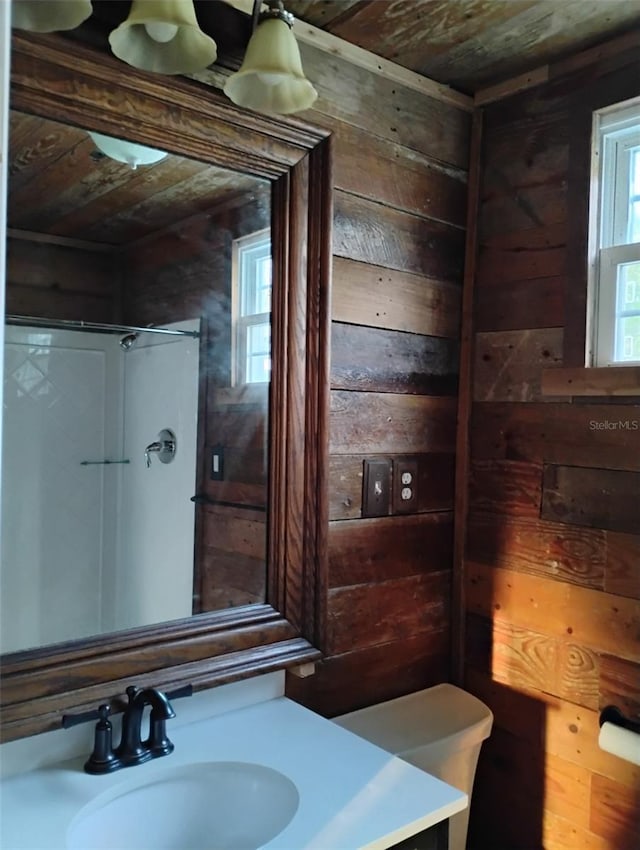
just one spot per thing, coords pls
(63, 81)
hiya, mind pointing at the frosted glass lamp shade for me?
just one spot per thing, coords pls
(163, 36)
(129, 152)
(271, 78)
(49, 15)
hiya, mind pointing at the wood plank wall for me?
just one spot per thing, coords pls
(62, 281)
(400, 198)
(553, 546)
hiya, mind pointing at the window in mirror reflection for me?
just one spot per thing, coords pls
(252, 307)
(99, 534)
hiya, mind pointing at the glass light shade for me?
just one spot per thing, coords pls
(271, 78)
(129, 152)
(49, 15)
(163, 36)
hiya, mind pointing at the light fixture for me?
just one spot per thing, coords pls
(128, 152)
(163, 36)
(271, 78)
(49, 15)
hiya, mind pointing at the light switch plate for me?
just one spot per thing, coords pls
(376, 488)
(217, 463)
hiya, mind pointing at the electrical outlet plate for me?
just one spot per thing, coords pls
(376, 488)
(405, 485)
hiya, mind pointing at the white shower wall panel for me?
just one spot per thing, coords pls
(60, 409)
(155, 565)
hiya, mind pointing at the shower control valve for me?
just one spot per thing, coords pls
(164, 447)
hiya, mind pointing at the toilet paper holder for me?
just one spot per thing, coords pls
(612, 714)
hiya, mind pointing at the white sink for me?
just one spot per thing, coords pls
(209, 806)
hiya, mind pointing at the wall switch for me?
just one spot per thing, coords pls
(376, 488)
(217, 463)
(405, 485)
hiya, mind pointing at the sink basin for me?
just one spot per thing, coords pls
(208, 806)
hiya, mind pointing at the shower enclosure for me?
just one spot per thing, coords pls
(94, 539)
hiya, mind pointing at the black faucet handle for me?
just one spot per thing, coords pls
(184, 691)
(69, 720)
(102, 759)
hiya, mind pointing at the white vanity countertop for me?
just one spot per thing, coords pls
(353, 795)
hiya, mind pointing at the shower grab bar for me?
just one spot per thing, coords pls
(101, 462)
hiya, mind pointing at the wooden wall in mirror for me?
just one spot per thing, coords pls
(284, 168)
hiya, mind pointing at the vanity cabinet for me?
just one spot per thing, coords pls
(434, 838)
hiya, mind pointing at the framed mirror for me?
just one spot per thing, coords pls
(221, 252)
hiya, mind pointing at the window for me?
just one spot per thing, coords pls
(616, 236)
(252, 308)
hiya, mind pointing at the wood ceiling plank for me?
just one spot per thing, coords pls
(320, 13)
(413, 34)
(122, 189)
(60, 188)
(182, 199)
(540, 32)
(72, 180)
(34, 146)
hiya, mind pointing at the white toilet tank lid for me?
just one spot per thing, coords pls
(421, 718)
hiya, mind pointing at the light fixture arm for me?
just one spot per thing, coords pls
(275, 11)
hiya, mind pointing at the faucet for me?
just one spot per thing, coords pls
(132, 750)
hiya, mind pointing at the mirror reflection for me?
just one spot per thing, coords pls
(137, 364)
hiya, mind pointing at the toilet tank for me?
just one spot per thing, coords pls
(439, 730)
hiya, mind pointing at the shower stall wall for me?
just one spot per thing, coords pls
(90, 546)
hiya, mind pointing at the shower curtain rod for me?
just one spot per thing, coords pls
(79, 325)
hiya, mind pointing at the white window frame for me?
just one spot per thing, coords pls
(616, 131)
(243, 319)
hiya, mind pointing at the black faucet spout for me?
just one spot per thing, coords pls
(159, 702)
(132, 749)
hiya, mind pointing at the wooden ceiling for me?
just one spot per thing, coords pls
(61, 185)
(469, 44)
